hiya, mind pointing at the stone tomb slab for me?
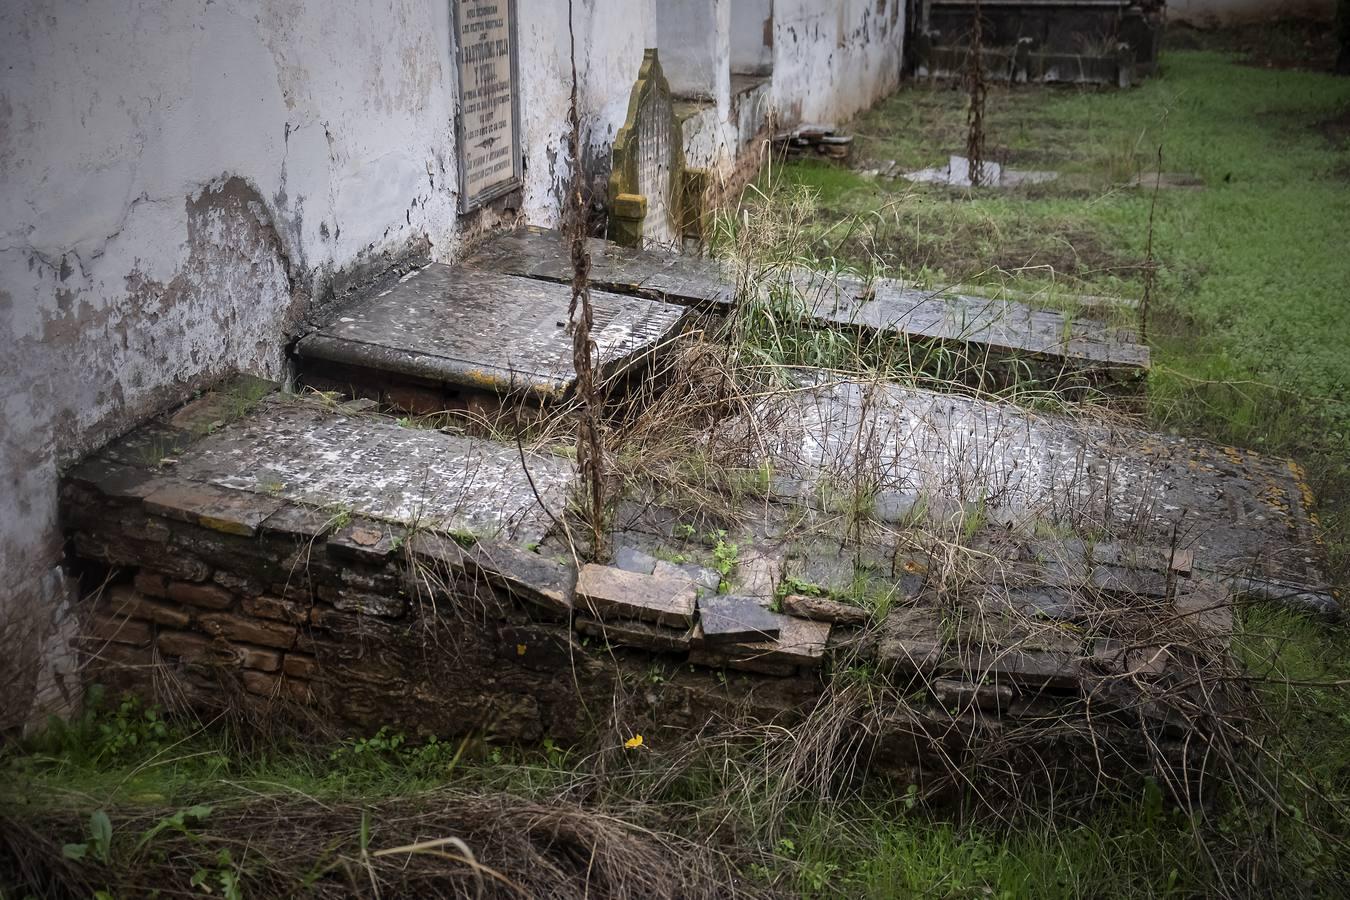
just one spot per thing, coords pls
(615, 594)
(484, 331)
(301, 451)
(1005, 326)
(544, 254)
(1241, 515)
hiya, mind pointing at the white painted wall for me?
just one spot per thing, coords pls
(834, 58)
(694, 39)
(750, 55)
(611, 36)
(1211, 13)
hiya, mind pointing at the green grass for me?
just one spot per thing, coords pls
(121, 759)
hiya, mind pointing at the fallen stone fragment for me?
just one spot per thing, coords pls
(610, 593)
(522, 573)
(957, 694)
(729, 620)
(822, 609)
(800, 643)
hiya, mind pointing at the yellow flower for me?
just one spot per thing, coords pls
(633, 742)
(520, 649)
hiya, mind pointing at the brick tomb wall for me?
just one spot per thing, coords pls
(194, 587)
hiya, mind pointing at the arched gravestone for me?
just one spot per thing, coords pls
(654, 200)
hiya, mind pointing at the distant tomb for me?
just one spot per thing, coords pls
(487, 123)
(654, 200)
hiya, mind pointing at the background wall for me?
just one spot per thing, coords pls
(833, 58)
(1208, 13)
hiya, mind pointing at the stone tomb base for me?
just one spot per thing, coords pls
(404, 589)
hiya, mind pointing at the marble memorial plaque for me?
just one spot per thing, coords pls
(488, 120)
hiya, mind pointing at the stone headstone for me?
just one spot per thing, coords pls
(653, 199)
(488, 119)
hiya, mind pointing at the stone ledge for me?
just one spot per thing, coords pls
(610, 593)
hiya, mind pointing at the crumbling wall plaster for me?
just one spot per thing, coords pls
(611, 36)
(834, 58)
(177, 180)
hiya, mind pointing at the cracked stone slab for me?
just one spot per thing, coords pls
(1003, 325)
(800, 643)
(999, 324)
(487, 331)
(611, 593)
(660, 275)
(1239, 514)
(293, 450)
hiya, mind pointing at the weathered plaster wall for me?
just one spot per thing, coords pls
(694, 39)
(610, 38)
(833, 58)
(751, 24)
(1210, 13)
(176, 179)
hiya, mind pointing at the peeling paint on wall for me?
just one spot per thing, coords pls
(833, 59)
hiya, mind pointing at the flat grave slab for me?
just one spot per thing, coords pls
(486, 331)
(545, 254)
(998, 324)
(1003, 325)
(950, 458)
(289, 449)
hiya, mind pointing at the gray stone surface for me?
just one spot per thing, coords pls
(1240, 513)
(631, 559)
(727, 619)
(610, 593)
(289, 449)
(486, 331)
(1001, 324)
